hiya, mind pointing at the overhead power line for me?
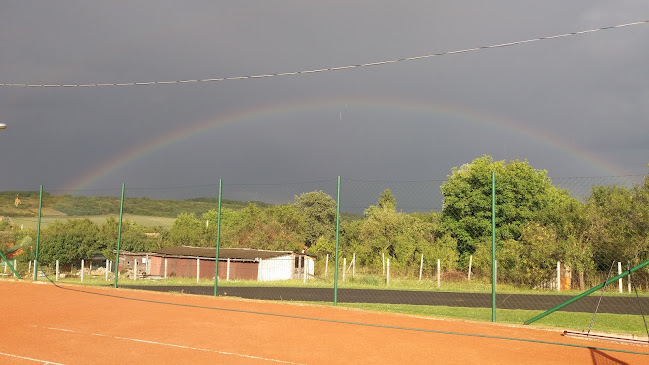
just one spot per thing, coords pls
(337, 68)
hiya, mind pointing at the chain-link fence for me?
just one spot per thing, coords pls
(419, 246)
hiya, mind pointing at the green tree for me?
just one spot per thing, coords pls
(641, 216)
(318, 214)
(133, 238)
(401, 237)
(350, 241)
(445, 249)
(230, 223)
(571, 220)
(619, 223)
(379, 232)
(531, 260)
(69, 241)
(322, 247)
(186, 231)
(387, 200)
(249, 227)
(521, 192)
(270, 228)
(288, 217)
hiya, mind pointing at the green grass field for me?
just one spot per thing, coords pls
(605, 322)
(144, 220)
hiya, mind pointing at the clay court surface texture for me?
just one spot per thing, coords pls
(47, 324)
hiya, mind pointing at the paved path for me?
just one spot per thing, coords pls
(617, 305)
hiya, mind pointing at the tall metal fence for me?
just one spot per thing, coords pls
(402, 243)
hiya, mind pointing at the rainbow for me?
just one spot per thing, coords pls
(408, 105)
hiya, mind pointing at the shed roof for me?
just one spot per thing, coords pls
(224, 253)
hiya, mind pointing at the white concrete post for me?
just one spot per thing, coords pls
(82, 265)
(148, 266)
(470, 265)
(135, 269)
(628, 265)
(15, 267)
(227, 271)
(304, 270)
(354, 265)
(57, 271)
(29, 268)
(166, 268)
(383, 260)
(387, 281)
(619, 271)
(344, 267)
(558, 276)
(8, 265)
(198, 269)
(421, 266)
(439, 269)
(107, 268)
(326, 265)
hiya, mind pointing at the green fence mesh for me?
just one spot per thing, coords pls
(411, 246)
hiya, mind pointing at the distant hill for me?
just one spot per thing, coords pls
(69, 205)
(28, 206)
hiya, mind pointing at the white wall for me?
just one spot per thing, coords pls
(309, 263)
(283, 268)
(277, 268)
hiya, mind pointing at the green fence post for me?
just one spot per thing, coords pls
(218, 241)
(38, 233)
(493, 247)
(337, 238)
(119, 233)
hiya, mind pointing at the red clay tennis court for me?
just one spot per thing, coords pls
(46, 324)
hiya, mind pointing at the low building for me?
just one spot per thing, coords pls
(128, 261)
(234, 263)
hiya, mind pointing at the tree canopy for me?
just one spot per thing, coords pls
(521, 193)
(318, 214)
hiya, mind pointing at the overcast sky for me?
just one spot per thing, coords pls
(576, 106)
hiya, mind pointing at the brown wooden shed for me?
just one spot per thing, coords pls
(234, 263)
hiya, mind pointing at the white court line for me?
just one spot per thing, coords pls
(170, 345)
(44, 362)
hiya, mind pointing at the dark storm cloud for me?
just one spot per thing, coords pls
(589, 92)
